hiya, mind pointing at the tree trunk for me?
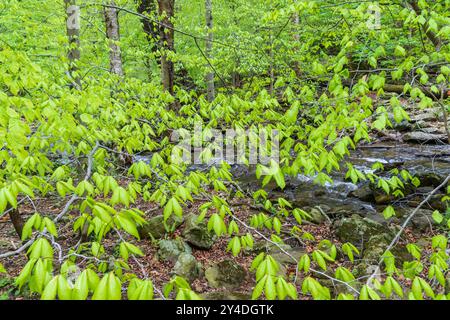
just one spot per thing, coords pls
(166, 13)
(208, 52)
(16, 220)
(151, 28)
(73, 34)
(430, 34)
(113, 35)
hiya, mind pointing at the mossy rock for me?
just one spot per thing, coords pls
(170, 250)
(156, 228)
(283, 258)
(376, 246)
(358, 230)
(187, 267)
(226, 274)
(197, 233)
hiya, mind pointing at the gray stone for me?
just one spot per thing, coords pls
(376, 246)
(364, 193)
(283, 258)
(423, 137)
(431, 115)
(316, 216)
(358, 230)
(226, 274)
(422, 220)
(197, 234)
(187, 267)
(156, 228)
(170, 250)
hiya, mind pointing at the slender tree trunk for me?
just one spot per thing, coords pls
(166, 13)
(236, 76)
(208, 52)
(113, 35)
(73, 34)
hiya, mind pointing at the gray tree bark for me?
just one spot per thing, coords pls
(113, 35)
(208, 51)
(73, 34)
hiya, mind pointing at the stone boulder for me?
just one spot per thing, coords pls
(226, 274)
(317, 217)
(422, 220)
(283, 258)
(376, 246)
(187, 267)
(363, 193)
(197, 234)
(423, 137)
(358, 230)
(156, 228)
(170, 250)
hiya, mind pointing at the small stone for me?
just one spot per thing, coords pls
(283, 258)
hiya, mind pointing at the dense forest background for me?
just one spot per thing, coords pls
(95, 204)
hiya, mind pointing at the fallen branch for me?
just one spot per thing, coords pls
(13, 253)
(86, 177)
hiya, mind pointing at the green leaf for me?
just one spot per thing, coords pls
(50, 290)
(270, 289)
(437, 217)
(388, 212)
